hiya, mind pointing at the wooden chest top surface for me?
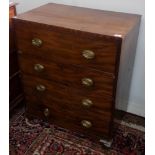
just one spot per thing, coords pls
(83, 19)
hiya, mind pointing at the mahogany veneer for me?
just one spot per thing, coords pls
(70, 58)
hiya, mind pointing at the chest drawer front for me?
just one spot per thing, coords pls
(71, 76)
(71, 120)
(67, 46)
(66, 105)
(61, 94)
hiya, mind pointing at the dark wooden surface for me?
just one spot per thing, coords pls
(62, 93)
(15, 88)
(88, 20)
(65, 46)
(64, 104)
(65, 32)
(69, 75)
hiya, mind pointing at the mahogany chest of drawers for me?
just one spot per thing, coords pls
(75, 63)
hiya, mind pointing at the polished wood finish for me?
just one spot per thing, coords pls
(67, 94)
(63, 113)
(15, 88)
(68, 75)
(69, 54)
(59, 44)
(85, 20)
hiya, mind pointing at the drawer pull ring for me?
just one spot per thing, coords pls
(87, 103)
(86, 124)
(40, 88)
(38, 67)
(88, 54)
(36, 42)
(87, 82)
(46, 112)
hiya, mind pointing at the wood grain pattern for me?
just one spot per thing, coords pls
(64, 46)
(87, 20)
(67, 119)
(65, 95)
(65, 106)
(68, 112)
(70, 76)
(65, 32)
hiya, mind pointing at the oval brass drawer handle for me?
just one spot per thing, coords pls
(36, 42)
(46, 112)
(38, 67)
(87, 82)
(40, 88)
(88, 54)
(86, 124)
(87, 103)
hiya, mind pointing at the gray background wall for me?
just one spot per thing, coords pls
(136, 102)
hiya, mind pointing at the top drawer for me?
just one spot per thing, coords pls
(67, 46)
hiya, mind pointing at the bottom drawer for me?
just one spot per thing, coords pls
(94, 126)
(61, 105)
